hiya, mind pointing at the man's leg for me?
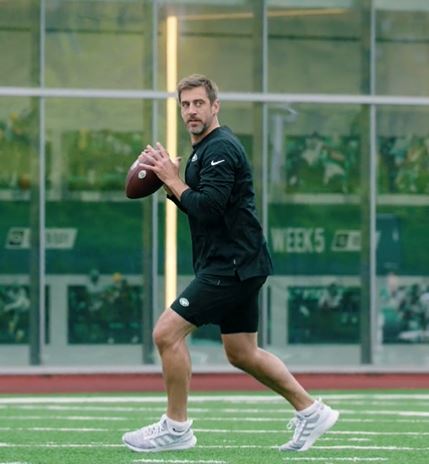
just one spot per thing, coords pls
(243, 352)
(173, 431)
(312, 419)
(169, 336)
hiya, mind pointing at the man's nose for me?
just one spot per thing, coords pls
(192, 108)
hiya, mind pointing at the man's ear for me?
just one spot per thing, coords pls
(216, 107)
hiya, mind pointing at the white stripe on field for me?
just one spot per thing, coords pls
(203, 430)
(350, 459)
(200, 398)
(373, 448)
(180, 461)
(384, 412)
(385, 421)
(69, 418)
(224, 419)
(223, 446)
(53, 407)
(333, 432)
(53, 429)
(15, 462)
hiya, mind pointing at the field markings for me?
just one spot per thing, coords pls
(181, 461)
(15, 462)
(202, 398)
(349, 459)
(249, 420)
(67, 418)
(218, 447)
(329, 435)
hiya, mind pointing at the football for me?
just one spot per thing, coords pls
(141, 182)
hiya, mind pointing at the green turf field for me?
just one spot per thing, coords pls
(232, 428)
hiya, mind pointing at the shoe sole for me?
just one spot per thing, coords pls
(173, 447)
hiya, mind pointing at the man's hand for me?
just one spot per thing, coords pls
(166, 169)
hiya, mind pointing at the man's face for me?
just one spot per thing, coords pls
(198, 114)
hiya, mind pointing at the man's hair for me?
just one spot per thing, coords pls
(198, 80)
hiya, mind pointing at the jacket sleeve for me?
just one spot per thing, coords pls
(176, 202)
(217, 175)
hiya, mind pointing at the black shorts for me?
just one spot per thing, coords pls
(225, 301)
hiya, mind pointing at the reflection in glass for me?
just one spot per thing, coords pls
(108, 313)
(15, 305)
(403, 150)
(93, 146)
(17, 121)
(402, 48)
(95, 44)
(403, 283)
(19, 35)
(323, 314)
(215, 40)
(307, 44)
(314, 149)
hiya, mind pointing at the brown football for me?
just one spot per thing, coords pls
(141, 182)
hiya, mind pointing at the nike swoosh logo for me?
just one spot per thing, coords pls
(213, 163)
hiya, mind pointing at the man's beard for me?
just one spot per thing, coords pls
(200, 129)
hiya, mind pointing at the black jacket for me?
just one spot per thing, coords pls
(227, 237)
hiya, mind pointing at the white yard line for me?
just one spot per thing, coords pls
(54, 429)
(15, 462)
(281, 420)
(181, 461)
(111, 408)
(383, 421)
(201, 398)
(329, 434)
(68, 418)
(223, 446)
(372, 448)
(349, 459)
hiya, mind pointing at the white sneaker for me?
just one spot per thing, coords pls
(309, 428)
(159, 437)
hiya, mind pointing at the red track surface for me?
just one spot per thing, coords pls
(87, 383)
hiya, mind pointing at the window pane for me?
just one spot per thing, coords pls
(95, 44)
(314, 233)
(403, 203)
(403, 48)
(18, 161)
(314, 50)
(314, 149)
(94, 256)
(216, 40)
(19, 38)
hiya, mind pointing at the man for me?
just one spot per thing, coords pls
(231, 263)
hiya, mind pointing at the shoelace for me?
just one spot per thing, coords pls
(298, 423)
(153, 429)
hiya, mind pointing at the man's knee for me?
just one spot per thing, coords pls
(170, 330)
(161, 335)
(239, 358)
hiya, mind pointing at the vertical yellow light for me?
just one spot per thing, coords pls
(170, 208)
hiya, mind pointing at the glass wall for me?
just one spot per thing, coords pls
(330, 100)
(18, 160)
